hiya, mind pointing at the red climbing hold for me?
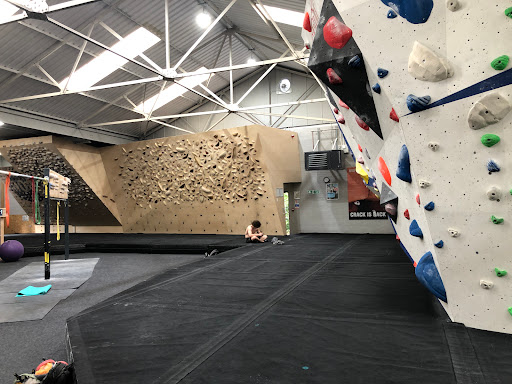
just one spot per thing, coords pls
(418, 199)
(342, 104)
(362, 124)
(336, 34)
(341, 119)
(333, 77)
(393, 115)
(415, 264)
(384, 170)
(397, 237)
(406, 214)
(336, 110)
(307, 22)
(359, 147)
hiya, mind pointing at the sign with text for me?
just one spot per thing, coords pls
(362, 203)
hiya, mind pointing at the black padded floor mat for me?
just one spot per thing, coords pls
(319, 309)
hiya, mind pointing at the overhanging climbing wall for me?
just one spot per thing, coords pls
(90, 197)
(440, 81)
(215, 182)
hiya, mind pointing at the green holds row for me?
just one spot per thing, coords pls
(500, 63)
(489, 139)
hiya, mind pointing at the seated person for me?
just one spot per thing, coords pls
(253, 233)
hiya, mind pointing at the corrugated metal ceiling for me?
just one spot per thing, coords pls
(31, 41)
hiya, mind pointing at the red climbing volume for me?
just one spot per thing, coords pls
(307, 22)
(336, 34)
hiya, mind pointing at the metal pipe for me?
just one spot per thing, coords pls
(21, 175)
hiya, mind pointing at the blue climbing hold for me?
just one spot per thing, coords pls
(439, 244)
(391, 14)
(428, 275)
(404, 166)
(382, 73)
(492, 166)
(414, 11)
(355, 62)
(415, 230)
(417, 103)
(376, 88)
(430, 206)
(305, 367)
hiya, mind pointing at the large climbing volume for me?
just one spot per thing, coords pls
(336, 34)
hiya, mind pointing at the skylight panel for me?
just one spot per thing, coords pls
(7, 10)
(107, 62)
(172, 92)
(284, 16)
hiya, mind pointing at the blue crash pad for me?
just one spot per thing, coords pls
(34, 291)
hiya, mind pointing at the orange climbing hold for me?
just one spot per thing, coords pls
(418, 199)
(362, 124)
(384, 170)
(393, 115)
(307, 22)
(333, 77)
(336, 34)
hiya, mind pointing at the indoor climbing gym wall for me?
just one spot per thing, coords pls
(422, 92)
(91, 200)
(215, 182)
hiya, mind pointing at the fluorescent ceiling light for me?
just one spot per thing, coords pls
(251, 61)
(1, 123)
(106, 63)
(203, 19)
(284, 16)
(172, 92)
(7, 10)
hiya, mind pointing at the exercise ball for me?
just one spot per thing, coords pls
(11, 250)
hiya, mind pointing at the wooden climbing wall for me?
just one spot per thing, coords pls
(215, 182)
(89, 191)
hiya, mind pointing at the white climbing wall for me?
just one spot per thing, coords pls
(465, 41)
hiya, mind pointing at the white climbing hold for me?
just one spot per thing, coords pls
(453, 232)
(426, 65)
(453, 5)
(486, 284)
(488, 110)
(424, 183)
(494, 193)
(433, 146)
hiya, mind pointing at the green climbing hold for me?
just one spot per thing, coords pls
(508, 12)
(497, 220)
(500, 63)
(489, 139)
(500, 272)
(510, 310)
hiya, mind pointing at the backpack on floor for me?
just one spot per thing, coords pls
(61, 373)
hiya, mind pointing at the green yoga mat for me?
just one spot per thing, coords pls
(34, 291)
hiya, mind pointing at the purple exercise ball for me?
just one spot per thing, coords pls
(11, 250)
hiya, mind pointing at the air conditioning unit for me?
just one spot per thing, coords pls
(323, 160)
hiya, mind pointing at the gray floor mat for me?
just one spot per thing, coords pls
(66, 277)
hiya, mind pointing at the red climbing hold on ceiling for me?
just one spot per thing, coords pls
(333, 77)
(362, 124)
(384, 170)
(336, 34)
(341, 119)
(418, 199)
(307, 22)
(359, 147)
(406, 214)
(342, 104)
(393, 115)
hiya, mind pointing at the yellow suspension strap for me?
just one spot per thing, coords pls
(58, 226)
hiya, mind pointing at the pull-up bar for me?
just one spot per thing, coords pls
(22, 175)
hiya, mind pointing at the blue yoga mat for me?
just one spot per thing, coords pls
(34, 291)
